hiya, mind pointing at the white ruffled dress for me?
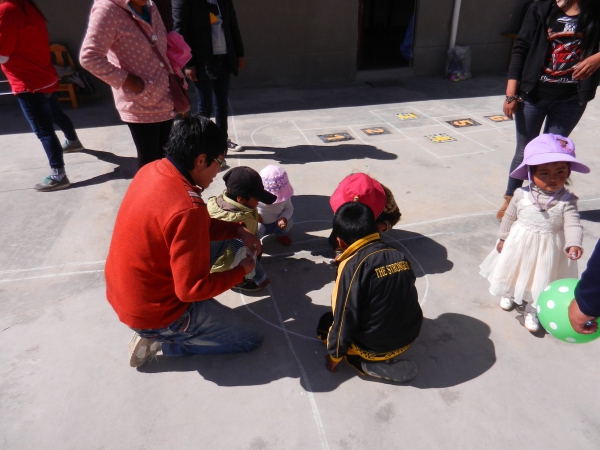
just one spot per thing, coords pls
(534, 251)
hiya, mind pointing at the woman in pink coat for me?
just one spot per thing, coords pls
(118, 52)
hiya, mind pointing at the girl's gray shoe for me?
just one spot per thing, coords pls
(52, 184)
(72, 146)
(401, 370)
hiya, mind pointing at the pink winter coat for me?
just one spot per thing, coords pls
(114, 47)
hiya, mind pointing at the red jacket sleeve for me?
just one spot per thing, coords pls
(187, 235)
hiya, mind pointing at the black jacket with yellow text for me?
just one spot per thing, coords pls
(375, 303)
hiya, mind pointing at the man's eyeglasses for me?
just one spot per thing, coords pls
(221, 162)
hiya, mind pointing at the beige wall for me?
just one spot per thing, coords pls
(314, 41)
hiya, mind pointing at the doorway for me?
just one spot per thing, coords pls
(386, 33)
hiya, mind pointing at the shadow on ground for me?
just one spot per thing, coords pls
(303, 154)
(452, 349)
(126, 168)
(592, 215)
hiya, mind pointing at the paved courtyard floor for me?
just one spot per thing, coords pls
(484, 381)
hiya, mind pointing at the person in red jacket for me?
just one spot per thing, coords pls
(25, 60)
(164, 243)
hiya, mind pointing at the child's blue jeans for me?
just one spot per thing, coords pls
(265, 229)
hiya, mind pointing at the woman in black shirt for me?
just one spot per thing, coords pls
(553, 73)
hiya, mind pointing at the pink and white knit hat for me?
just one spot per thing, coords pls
(275, 181)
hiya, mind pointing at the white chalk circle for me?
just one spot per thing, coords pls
(563, 289)
(570, 340)
(285, 138)
(550, 304)
(553, 326)
(547, 288)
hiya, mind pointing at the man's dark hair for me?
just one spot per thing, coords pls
(193, 136)
(353, 221)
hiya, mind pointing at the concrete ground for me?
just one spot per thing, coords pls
(484, 381)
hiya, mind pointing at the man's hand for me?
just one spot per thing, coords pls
(331, 364)
(241, 63)
(191, 73)
(134, 83)
(500, 246)
(248, 264)
(579, 321)
(260, 219)
(250, 240)
(574, 253)
(282, 223)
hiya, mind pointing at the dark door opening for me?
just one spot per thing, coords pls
(386, 30)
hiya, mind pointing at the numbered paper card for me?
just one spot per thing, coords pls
(335, 137)
(375, 131)
(440, 138)
(463, 123)
(407, 116)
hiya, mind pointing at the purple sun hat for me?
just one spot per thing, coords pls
(548, 148)
(275, 180)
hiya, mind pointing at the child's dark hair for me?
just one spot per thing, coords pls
(195, 135)
(353, 221)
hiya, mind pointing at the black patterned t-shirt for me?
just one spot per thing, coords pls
(564, 50)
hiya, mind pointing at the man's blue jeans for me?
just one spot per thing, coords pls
(561, 118)
(206, 327)
(218, 89)
(43, 111)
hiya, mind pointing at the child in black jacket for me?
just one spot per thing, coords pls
(376, 313)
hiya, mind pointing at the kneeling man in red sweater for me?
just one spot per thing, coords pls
(164, 243)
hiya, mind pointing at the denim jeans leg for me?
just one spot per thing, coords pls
(563, 117)
(221, 90)
(36, 108)
(529, 118)
(212, 328)
(61, 119)
(204, 92)
(273, 228)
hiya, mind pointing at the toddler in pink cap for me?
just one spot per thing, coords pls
(540, 237)
(276, 218)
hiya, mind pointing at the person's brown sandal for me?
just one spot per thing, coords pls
(502, 210)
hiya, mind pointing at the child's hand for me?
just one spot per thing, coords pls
(331, 364)
(260, 219)
(248, 264)
(574, 253)
(499, 246)
(282, 223)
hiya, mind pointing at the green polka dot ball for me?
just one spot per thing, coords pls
(553, 312)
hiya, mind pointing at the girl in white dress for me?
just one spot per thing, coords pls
(540, 237)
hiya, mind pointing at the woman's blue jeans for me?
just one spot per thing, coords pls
(561, 118)
(43, 111)
(215, 93)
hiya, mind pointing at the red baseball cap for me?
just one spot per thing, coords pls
(360, 187)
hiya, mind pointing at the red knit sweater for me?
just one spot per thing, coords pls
(158, 259)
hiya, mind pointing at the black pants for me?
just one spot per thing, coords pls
(150, 140)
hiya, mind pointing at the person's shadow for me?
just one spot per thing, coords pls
(452, 349)
(593, 215)
(303, 154)
(126, 168)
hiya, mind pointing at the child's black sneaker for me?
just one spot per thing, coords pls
(250, 286)
(401, 370)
